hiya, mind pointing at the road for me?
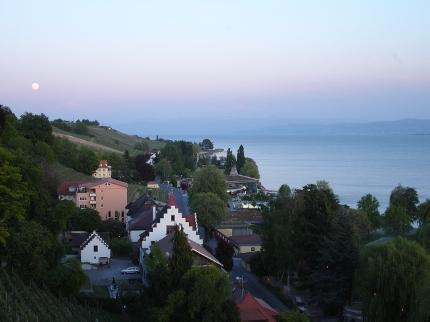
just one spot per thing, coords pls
(253, 285)
(181, 198)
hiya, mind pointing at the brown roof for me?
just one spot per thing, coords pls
(103, 164)
(63, 188)
(166, 246)
(255, 309)
(246, 240)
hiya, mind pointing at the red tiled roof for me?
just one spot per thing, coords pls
(191, 219)
(255, 309)
(63, 188)
(172, 201)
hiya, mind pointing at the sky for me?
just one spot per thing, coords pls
(125, 62)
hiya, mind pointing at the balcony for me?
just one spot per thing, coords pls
(92, 194)
(93, 202)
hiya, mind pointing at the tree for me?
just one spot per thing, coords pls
(209, 179)
(424, 212)
(14, 194)
(67, 278)
(250, 169)
(230, 162)
(423, 236)
(120, 247)
(210, 209)
(145, 170)
(207, 144)
(397, 220)
(330, 282)
(57, 219)
(87, 160)
(86, 219)
(369, 205)
(240, 157)
(80, 128)
(182, 257)
(36, 128)
(115, 228)
(293, 316)
(32, 251)
(392, 277)
(224, 253)
(407, 198)
(164, 169)
(201, 297)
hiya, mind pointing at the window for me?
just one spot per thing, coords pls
(172, 218)
(101, 206)
(96, 248)
(109, 214)
(252, 249)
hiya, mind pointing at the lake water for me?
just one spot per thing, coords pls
(353, 165)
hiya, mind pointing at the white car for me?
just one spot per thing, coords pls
(130, 270)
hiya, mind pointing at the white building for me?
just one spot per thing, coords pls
(94, 250)
(164, 223)
(103, 171)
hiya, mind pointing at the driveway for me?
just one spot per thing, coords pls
(102, 275)
(253, 285)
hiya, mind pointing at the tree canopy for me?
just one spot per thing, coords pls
(393, 277)
(250, 169)
(209, 179)
(210, 209)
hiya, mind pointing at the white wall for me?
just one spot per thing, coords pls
(89, 256)
(159, 231)
(134, 235)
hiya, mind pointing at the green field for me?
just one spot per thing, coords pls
(112, 139)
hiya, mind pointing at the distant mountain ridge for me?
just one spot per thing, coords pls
(266, 126)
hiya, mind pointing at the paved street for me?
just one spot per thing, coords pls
(102, 275)
(253, 285)
(181, 198)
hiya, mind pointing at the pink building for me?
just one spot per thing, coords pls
(107, 196)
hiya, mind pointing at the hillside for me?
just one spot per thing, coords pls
(21, 301)
(106, 139)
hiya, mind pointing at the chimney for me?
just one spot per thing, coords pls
(154, 213)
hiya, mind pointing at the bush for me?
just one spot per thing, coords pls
(121, 247)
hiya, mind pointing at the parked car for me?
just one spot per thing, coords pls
(131, 270)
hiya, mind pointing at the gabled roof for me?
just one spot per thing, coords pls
(91, 237)
(103, 164)
(246, 240)
(255, 309)
(166, 246)
(238, 178)
(76, 238)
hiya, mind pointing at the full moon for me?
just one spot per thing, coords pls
(35, 86)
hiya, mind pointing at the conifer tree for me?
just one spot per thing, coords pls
(182, 257)
(240, 159)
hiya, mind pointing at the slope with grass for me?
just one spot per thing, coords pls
(108, 139)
